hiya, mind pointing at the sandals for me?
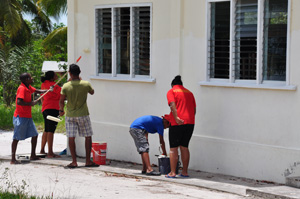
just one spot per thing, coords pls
(70, 166)
(184, 176)
(168, 176)
(92, 165)
(153, 173)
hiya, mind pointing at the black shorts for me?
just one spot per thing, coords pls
(180, 135)
(50, 126)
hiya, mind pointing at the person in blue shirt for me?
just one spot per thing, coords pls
(139, 130)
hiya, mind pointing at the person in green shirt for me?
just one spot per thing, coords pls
(77, 114)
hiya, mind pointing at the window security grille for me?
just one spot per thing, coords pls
(123, 36)
(234, 54)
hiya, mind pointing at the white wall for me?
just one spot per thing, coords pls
(250, 133)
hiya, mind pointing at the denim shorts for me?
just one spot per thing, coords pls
(140, 140)
(81, 125)
(23, 128)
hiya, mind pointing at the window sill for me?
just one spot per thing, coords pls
(124, 79)
(250, 86)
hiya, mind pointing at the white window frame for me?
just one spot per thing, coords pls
(259, 82)
(113, 75)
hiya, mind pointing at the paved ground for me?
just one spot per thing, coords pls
(48, 177)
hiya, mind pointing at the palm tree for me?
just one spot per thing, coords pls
(55, 8)
(13, 27)
(56, 42)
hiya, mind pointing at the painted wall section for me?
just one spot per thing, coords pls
(251, 133)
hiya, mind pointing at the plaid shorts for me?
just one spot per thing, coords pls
(140, 140)
(82, 125)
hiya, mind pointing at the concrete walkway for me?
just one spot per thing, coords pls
(229, 184)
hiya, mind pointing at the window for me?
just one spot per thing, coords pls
(123, 41)
(247, 40)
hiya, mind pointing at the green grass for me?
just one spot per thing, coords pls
(7, 113)
(7, 195)
(6, 116)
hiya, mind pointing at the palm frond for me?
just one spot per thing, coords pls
(59, 34)
(41, 18)
(11, 16)
(54, 7)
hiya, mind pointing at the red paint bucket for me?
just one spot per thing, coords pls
(99, 152)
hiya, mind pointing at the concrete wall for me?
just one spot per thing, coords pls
(246, 132)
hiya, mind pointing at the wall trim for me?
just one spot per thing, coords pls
(224, 140)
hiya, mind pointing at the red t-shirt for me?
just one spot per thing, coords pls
(51, 99)
(24, 93)
(185, 104)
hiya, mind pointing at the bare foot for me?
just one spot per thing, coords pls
(35, 158)
(15, 162)
(53, 156)
(43, 152)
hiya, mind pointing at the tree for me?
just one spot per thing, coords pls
(12, 62)
(54, 7)
(13, 24)
(21, 42)
(56, 42)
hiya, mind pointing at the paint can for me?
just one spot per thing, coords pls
(99, 152)
(164, 164)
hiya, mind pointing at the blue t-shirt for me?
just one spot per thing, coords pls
(151, 124)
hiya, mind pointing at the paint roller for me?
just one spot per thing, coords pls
(54, 119)
(56, 82)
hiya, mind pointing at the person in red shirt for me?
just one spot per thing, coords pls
(183, 109)
(50, 106)
(22, 120)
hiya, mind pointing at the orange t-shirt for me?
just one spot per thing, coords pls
(185, 104)
(51, 99)
(24, 93)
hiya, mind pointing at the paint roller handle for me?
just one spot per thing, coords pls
(34, 102)
(51, 88)
(66, 72)
(60, 79)
(42, 95)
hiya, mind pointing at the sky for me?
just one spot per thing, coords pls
(63, 19)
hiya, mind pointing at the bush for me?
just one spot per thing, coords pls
(6, 116)
(7, 113)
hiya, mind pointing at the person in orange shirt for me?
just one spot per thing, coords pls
(22, 120)
(183, 109)
(50, 106)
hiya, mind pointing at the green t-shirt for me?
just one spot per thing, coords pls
(76, 92)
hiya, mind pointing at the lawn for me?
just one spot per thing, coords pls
(6, 117)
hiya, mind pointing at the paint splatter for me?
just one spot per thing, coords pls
(292, 169)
